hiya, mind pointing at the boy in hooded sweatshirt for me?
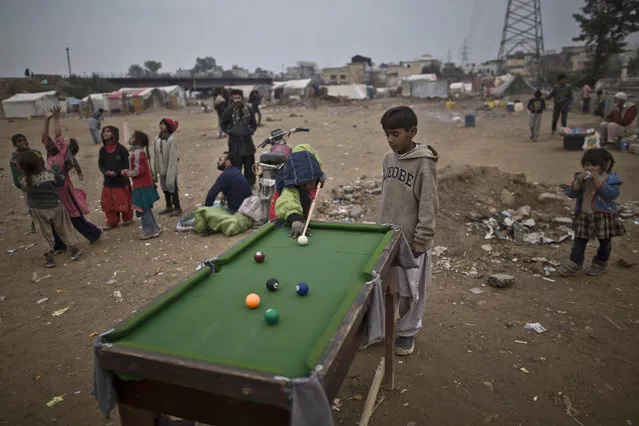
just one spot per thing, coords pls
(296, 187)
(165, 164)
(410, 200)
(116, 191)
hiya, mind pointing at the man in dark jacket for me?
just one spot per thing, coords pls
(230, 183)
(562, 95)
(239, 123)
(255, 99)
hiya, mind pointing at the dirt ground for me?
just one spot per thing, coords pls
(468, 367)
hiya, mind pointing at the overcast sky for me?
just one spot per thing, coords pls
(109, 36)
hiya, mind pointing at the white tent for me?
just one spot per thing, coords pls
(295, 88)
(175, 96)
(25, 105)
(95, 101)
(348, 91)
(425, 89)
(419, 77)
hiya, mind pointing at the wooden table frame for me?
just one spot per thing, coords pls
(225, 396)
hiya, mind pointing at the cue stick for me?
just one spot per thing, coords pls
(310, 211)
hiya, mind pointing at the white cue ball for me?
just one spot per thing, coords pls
(302, 240)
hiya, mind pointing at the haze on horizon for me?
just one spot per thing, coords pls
(108, 37)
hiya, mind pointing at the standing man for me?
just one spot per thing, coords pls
(239, 123)
(219, 104)
(95, 122)
(255, 99)
(562, 95)
(619, 121)
(586, 95)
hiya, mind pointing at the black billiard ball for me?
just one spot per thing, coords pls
(272, 284)
(259, 257)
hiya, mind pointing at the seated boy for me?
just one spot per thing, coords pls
(231, 183)
(410, 200)
(295, 187)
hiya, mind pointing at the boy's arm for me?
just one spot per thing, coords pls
(57, 128)
(428, 209)
(15, 175)
(289, 207)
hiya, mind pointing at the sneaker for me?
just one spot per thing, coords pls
(404, 346)
(49, 261)
(96, 241)
(107, 227)
(569, 269)
(75, 253)
(149, 236)
(176, 213)
(167, 210)
(127, 223)
(596, 269)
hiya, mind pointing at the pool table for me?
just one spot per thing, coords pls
(198, 352)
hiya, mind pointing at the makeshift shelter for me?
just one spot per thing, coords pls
(512, 86)
(95, 101)
(24, 105)
(295, 88)
(73, 105)
(135, 100)
(426, 89)
(174, 96)
(348, 91)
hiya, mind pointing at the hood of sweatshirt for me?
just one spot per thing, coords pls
(420, 151)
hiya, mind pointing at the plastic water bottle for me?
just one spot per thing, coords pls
(623, 146)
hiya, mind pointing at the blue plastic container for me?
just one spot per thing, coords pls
(469, 120)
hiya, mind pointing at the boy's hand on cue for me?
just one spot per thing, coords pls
(296, 229)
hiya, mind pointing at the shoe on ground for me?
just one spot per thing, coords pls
(167, 210)
(404, 346)
(96, 241)
(149, 236)
(107, 227)
(596, 269)
(176, 213)
(75, 253)
(49, 261)
(127, 223)
(569, 269)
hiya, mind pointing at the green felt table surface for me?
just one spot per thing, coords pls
(205, 317)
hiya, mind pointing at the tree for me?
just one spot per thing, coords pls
(204, 64)
(604, 26)
(136, 71)
(27, 73)
(152, 67)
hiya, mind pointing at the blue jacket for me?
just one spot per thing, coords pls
(603, 201)
(233, 185)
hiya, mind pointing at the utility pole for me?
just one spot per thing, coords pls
(68, 61)
(465, 54)
(448, 56)
(523, 32)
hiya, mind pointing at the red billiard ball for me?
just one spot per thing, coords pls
(259, 257)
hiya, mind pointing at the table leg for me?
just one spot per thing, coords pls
(132, 416)
(389, 359)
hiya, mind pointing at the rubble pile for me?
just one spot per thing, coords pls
(347, 203)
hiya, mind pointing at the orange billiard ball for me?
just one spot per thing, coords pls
(252, 300)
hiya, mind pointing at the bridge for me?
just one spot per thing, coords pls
(188, 83)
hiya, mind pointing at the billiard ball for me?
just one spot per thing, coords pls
(271, 316)
(302, 289)
(252, 300)
(259, 257)
(272, 284)
(302, 240)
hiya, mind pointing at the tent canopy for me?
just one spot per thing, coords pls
(349, 91)
(513, 85)
(24, 105)
(29, 97)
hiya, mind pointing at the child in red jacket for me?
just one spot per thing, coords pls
(145, 193)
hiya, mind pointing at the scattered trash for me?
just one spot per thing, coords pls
(11, 251)
(534, 326)
(476, 290)
(35, 279)
(41, 301)
(613, 323)
(118, 296)
(523, 369)
(487, 247)
(337, 404)
(77, 392)
(60, 290)
(95, 333)
(55, 400)
(548, 279)
(570, 410)
(111, 282)
(356, 397)
(59, 312)
(521, 342)
(490, 386)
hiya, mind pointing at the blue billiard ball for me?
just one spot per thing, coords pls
(302, 289)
